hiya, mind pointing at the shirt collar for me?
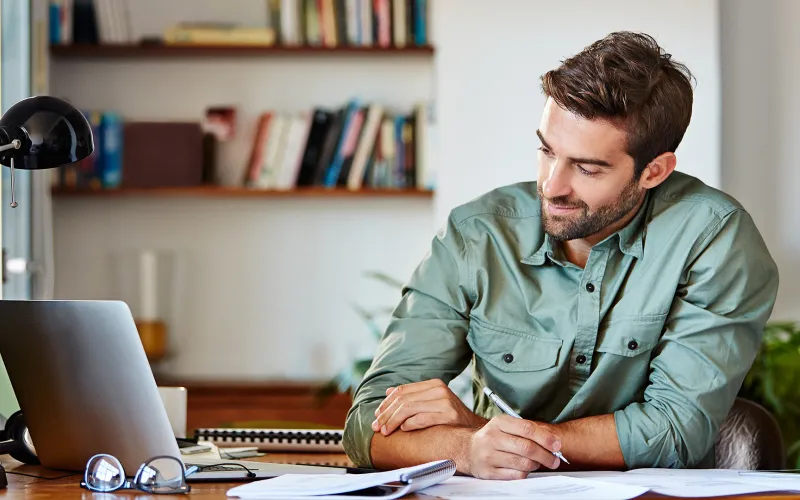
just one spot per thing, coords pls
(544, 251)
(630, 239)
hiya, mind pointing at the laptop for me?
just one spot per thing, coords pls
(84, 385)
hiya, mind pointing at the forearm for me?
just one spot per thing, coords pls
(590, 443)
(404, 449)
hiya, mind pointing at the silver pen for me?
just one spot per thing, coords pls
(508, 411)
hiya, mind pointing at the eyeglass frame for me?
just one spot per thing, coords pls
(135, 484)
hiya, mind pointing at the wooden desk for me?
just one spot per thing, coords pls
(68, 487)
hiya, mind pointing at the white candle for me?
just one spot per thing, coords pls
(148, 276)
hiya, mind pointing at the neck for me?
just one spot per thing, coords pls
(577, 251)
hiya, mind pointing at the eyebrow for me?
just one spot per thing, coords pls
(587, 161)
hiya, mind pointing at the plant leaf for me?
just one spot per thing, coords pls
(361, 366)
(384, 278)
(769, 394)
(794, 448)
(368, 317)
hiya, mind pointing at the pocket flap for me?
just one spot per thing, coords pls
(511, 350)
(631, 337)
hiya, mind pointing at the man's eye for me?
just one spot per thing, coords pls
(586, 172)
(544, 150)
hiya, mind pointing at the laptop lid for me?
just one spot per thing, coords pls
(83, 382)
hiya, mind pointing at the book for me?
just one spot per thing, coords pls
(218, 34)
(387, 485)
(276, 440)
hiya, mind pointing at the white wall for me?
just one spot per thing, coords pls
(490, 59)
(760, 129)
(266, 283)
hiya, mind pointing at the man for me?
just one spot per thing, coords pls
(615, 304)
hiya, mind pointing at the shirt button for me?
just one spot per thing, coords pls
(632, 345)
(581, 359)
(508, 358)
(589, 287)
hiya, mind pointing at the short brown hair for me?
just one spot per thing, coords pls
(628, 79)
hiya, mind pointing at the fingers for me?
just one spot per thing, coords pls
(528, 430)
(394, 392)
(425, 420)
(403, 409)
(503, 474)
(504, 466)
(527, 449)
(510, 461)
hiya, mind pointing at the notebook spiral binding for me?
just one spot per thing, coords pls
(432, 472)
(322, 440)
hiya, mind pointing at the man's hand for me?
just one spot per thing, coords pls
(510, 448)
(420, 405)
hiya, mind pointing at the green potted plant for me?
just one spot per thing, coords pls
(774, 382)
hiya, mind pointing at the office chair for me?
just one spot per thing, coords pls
(750, 438)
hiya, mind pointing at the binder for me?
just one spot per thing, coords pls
(276, 440)
(386, 485)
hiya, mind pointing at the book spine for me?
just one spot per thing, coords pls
(332, 175)
(421, 22)
(55, 22)
(112, 144)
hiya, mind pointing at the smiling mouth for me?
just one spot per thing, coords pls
(560, 209)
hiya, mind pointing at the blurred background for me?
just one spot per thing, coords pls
(268, 173)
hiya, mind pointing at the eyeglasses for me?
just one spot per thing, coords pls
(159, 475)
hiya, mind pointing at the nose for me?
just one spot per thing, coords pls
(557, 183)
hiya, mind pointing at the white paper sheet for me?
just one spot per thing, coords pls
(305, 486)
(558, 487)
(608, 485)
(699, 482)
(672, 482)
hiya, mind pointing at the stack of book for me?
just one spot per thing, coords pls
(360, 145)
(90, 21)
(315, 23)
(364, 23)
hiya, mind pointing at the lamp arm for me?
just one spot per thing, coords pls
(15, 144)
(10, 135)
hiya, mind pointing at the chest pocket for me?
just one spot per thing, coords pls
(510, 350)
(631, 337)
(521, 366)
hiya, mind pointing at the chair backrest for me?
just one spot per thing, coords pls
(750, 438)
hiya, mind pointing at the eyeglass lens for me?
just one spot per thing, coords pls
(161, 475)
(105, 473)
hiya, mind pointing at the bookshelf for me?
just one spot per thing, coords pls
(255, 262)
(242, 192)
(158, 51)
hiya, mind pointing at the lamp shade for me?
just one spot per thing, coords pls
(52, 133)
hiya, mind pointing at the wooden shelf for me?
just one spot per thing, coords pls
(241, 192)
(134, 51)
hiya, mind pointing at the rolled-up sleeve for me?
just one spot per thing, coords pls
(711, 338)
(425, 339)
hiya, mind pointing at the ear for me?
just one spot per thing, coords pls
(658, 170)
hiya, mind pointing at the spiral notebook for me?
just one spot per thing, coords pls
(385, 485)
(276, 440)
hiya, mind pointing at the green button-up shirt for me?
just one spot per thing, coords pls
(659, 328)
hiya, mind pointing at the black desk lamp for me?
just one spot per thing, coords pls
(38, 133)
(43, 132)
